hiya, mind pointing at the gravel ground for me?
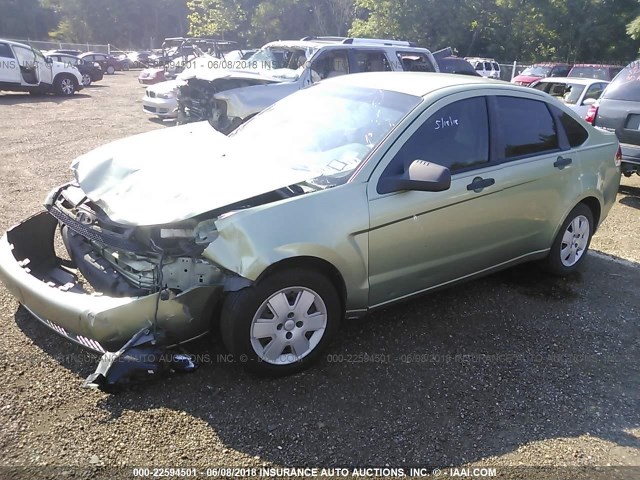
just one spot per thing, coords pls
(510, 370)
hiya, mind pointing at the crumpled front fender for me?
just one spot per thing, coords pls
(50, 290)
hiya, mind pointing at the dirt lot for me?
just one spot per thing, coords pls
(514, 369)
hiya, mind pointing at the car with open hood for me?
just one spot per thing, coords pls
(230, 93)
(394, 185)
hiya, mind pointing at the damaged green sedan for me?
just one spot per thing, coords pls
(346, 196)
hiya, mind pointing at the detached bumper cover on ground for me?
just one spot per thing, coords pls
(48, 287)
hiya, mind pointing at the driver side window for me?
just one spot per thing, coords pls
(456, 137)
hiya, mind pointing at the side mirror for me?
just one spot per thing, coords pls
(422, 176)
(589, 101)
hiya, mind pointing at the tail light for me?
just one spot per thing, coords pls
(592, 113)
(618, 157)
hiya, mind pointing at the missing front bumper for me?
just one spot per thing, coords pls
(48, 287)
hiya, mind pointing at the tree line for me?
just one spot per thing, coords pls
(526, 30)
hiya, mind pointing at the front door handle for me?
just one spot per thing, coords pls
(562, 162)
(480, 184)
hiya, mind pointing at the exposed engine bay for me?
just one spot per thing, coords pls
(197, 102)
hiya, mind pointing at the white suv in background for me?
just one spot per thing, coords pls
(25, 69)
(487, 67)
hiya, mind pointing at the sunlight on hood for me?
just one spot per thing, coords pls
(173, 174)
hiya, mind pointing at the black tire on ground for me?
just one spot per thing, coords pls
(554, 261)
(111, 70)
(65, 85)
(239, 309)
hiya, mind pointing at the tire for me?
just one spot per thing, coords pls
(86, 79)
(268, 347)
(570, 246)
(111, 70)
(125, 66)
(65, 85)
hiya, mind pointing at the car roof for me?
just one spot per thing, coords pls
(575, 80)
(320, 42)
(418, 84)
(597, 65)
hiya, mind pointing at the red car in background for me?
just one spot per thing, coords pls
(541, 70)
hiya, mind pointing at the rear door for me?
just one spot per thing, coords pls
(9, 66)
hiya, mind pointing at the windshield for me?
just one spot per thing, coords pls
(537, 71)
(324, 130)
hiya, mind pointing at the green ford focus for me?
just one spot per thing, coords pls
(357, 192)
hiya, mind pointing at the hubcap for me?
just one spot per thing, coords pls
(574, 241)
(86, 79)
(67, 86)
(288, 325)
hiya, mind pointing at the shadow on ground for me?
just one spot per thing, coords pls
(474, 371)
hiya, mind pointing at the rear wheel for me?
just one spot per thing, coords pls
(111, 70)
(281, 325)
(86, 79)
(65, 85)
(570, 247)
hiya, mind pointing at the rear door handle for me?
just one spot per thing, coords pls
(562, 162)
(480, 184)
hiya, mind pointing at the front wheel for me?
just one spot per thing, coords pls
(111, 70)
(570, 247)
(86, 79)
(283, 323)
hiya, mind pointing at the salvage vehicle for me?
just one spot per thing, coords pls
(394, 185)
(227, 97)
(618, 110)
(161, 99)
(178, 53)
(26, 69)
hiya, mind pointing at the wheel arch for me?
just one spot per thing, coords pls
(596, 209)
(315, 264)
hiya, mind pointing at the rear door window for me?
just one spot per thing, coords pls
(371, 61)
(527, 127)
(626, 86)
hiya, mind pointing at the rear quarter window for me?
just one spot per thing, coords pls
(5, 51)
(576, 133)
(626, 85)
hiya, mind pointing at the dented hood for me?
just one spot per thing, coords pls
(173, 174)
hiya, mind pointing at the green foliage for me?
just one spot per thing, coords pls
(523, 30)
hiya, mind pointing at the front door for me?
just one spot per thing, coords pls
(9, 66)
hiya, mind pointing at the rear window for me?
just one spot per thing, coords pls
(415, 62)
(601, 73)
(626, 85)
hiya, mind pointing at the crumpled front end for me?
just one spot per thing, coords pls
(171, 294)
